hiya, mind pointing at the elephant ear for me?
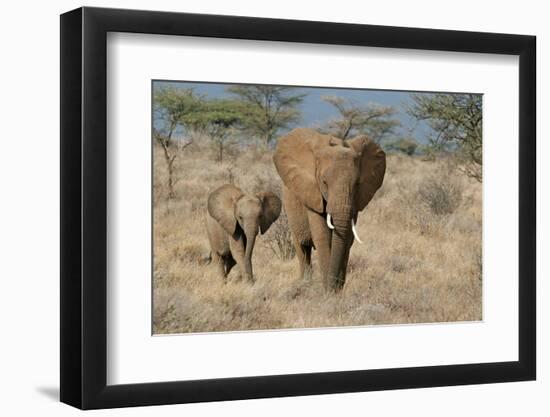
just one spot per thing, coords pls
(271, 209)
(373, 168)
(221, 206)
(295, 162)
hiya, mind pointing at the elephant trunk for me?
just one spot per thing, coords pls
(340, 247)
(250, 234)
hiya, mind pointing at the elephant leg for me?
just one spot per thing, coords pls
(218, 262)
(322, 239)
(303, 253)
(237, 251)
(299, 227)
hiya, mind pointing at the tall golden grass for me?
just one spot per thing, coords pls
(420, 261)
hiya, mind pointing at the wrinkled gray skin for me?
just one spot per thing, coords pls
(233, 221)
(324, 175)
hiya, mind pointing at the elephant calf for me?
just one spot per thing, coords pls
(233, 221)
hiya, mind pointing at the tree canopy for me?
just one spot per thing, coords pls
(172, 105)
(269, 109)
(456, 122)
(219, 120)
(374, 120)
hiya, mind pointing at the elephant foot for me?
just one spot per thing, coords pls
(335, 283)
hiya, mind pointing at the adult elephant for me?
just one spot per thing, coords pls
(233, 221)
(327, 182)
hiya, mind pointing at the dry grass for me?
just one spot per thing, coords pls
(420, 263)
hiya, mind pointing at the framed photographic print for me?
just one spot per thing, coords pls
(257, 208)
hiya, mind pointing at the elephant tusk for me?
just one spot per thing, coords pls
(329, 222)
(355, 234)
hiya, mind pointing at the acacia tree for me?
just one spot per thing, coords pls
(171, 105)
(269, 109)
(374, 120)
(456, 120)
(219, 120)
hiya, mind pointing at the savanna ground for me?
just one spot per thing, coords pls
(420, 261)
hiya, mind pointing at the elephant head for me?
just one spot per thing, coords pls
(242, 216)
(334, 178)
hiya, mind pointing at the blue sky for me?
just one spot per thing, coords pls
(316, 112)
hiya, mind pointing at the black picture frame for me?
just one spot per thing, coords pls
(84, 207)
